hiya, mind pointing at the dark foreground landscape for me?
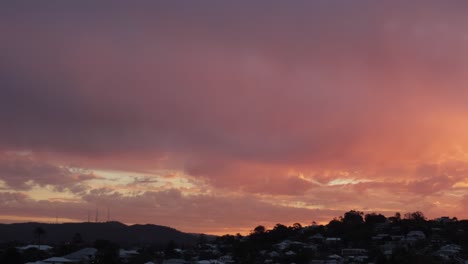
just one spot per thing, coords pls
(353, 238)
(116, 232)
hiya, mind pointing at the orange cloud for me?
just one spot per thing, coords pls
(300, 110)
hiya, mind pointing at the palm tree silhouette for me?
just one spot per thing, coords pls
(38, 233)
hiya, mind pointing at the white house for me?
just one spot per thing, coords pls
(84, 255)
(39, 247)
(58, 260)
(415, 235)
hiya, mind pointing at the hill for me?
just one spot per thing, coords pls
(113, 231)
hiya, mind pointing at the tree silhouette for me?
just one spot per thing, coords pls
(39, 232)
(353, 217)
(108, 252)
(396, 218)
(374, 218)
(279, 232)
(259, 230)
(415, 216)
(11, 256)
(296, 226)
(77, 239)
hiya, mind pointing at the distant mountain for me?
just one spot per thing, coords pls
(113, 231)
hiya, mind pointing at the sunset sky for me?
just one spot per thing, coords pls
(218, 116)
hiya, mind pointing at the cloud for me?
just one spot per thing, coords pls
(283, 102)
(12, 197)
(210, 213)
(188, 87)
(23, 172)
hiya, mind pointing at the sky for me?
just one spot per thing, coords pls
(218, 116)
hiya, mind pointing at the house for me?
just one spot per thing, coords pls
(334, 259)
(388, 248)
(125, 255)
(397, 238)
(380, 237)
(311, 248)
(334, 256)
(283, 245)
(317, 238)
(382, 226)
(388, 253)
(328, 261)
(448, 251)
(359, 259)
(84, 255)
(445, 220)
(175, 261)
(58, 260)
(332, 240)
(415, 235)
(346, 252)
(226, 259)
(38, 247)
(211, 261)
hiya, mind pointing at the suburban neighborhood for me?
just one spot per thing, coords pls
(353, 238)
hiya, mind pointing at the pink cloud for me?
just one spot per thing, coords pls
(170, 207)
(281, 103)
(25, 171)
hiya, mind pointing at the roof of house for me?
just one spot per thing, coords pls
(81, 254)
(40, 247)
(58, 260)
(174, 261)
(127, 253)
(318, 236)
